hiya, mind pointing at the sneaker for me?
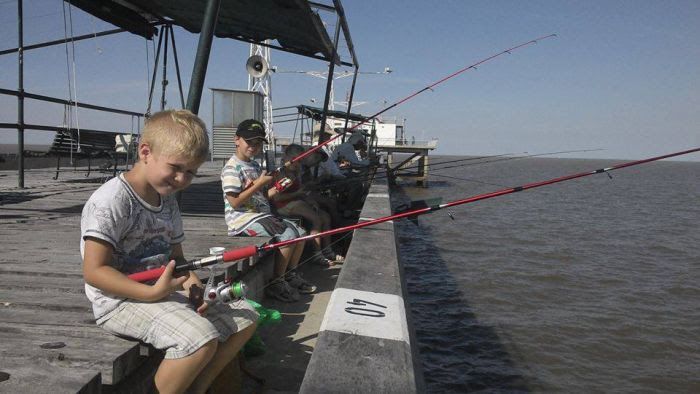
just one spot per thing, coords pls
(280, 290)
(297, 282)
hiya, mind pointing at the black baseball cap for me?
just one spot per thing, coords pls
(251, 129)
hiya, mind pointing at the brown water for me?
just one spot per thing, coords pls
(592, 285)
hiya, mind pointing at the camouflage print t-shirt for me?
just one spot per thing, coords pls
(141, 234)
(235, 176)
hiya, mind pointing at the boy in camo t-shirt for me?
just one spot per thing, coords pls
(132, 223)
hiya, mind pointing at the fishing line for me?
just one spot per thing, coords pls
(362, 178)
(496, 158)
(429, 87)
(252, 250)
(306, 261)
(514, 158)
(468, 180)
(351, 179)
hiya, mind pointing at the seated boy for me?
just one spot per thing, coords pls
(295, 201)
(247, 211)
(132, 223)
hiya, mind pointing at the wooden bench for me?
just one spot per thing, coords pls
(48, 337)
(91, 145)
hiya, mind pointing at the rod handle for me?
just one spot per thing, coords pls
(240, 253)
(145, 276)
(231, 255)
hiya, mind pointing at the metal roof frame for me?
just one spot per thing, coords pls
(243, 20)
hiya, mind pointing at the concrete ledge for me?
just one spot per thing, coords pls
(365, 340)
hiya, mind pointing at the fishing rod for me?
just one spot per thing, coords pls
(352, 178)
(252, 250)
(403, 100)
(496, 158)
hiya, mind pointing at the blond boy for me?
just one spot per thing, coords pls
(133, 223)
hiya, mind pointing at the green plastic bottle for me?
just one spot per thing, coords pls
(267, 316)
(255, 345)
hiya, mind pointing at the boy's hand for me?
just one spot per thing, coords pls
(203, 309)
(167, 283)
(264, 178)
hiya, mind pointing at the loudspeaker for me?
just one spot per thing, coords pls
(257, 66)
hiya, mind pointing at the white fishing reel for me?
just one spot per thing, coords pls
(223, 292)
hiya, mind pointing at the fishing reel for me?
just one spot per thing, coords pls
(283, 184)
(225, 291)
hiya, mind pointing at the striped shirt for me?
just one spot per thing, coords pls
(235, 175)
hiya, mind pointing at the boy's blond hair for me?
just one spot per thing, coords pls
(177, 133)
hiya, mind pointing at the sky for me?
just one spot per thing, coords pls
(622, 77)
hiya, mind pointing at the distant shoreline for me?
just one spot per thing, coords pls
(37, 158)
(11, 149)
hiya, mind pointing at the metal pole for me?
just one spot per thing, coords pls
(165, 68)
(20, 97)
(63, 41)
(155, 71)
(329, 82)
(177, 68)
(67, 102)
(352, 93)
(206, 36)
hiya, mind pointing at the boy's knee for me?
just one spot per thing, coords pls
(253, 326)
(209, 348)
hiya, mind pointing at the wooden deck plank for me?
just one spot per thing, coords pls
(118, 357)
(51, 300)
(72, 318)
(44, 377)
(35, 279)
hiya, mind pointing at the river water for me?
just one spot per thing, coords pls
(591, 285)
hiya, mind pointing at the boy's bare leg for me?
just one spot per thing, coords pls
(282, 258)
(318, 242)
(176, 375)
(296, 255)
(325, 226)
(224, 354)
(317, 222)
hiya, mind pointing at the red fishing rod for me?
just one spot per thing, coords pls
(252, 250)
(429, 87)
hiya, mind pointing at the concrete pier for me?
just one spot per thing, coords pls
(366, 340)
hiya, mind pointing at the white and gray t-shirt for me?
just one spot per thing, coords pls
(142, 234)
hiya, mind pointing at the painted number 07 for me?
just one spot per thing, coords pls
(357, 310)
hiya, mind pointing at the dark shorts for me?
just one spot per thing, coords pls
(291, 231)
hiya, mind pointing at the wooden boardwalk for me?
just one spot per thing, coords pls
(48, 339)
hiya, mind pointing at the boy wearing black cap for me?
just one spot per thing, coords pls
(247, 210)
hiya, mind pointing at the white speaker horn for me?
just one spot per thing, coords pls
(257, 66)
